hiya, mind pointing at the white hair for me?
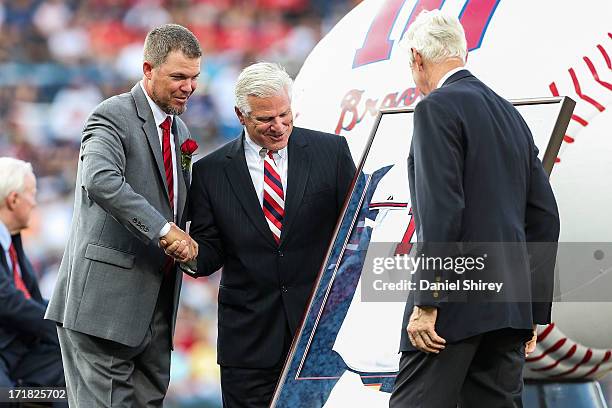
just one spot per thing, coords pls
(13, 173)
(437, 36)
(261, 80)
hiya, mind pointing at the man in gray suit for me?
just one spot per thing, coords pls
(117, 293)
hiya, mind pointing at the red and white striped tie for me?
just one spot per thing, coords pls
(273, 198)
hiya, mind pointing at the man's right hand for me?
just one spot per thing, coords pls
(530, 345)
(179, 245)
(422, 330)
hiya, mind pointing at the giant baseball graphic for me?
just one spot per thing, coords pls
(521, 49)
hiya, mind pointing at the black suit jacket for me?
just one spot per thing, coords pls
(264, 286)
(475, 178)
(21, 317)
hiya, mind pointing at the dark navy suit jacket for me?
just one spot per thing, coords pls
(21, 317)
(265, 287)
(475, 178)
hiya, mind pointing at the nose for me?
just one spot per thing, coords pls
(277, 124)
(188, 86)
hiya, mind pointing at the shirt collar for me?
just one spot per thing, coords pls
(254, 147)
(5, 237)
(448, 75)
(158, 114)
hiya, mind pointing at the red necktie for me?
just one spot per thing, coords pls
(273, 199)
(167, 152)
(19, 283)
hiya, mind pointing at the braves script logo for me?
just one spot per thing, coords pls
(475, 17)
(352, 101)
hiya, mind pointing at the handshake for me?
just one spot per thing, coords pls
(179, 245)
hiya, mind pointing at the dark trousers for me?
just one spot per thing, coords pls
(481, 371)
(102, 373)
(252, 387)
(248, 387)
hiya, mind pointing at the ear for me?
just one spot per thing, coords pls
(418, 60)
(240, 115)
(147, 69)
(11, 200)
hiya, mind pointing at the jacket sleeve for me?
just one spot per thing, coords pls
(203, 228)
(542, 228)
(438, 153)
(25, 316)
(103, 156)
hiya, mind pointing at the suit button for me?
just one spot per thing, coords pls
(284, 289)
(280, 254)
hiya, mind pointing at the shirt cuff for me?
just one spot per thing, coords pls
(165, 229)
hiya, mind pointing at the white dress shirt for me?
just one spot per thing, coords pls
(448, 75)
(5, 243)
(160, 116)
(255, 163)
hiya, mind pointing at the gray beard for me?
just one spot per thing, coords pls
(171, 110)
(167, 108)
(174, 111)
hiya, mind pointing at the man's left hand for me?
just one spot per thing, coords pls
(422, 330)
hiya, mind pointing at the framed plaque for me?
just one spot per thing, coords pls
(346, 351)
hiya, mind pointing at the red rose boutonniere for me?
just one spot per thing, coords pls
(187, 148)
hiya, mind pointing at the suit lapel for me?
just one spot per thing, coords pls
(240, 180)
(297, 176)
(144, 112)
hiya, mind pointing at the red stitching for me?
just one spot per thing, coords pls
(545, 332)
(596, 75)
(553, 89)
(582, 96)
(585, 359)
(606, 358)
(552, 349)
(567, 355)
(605, 55)
(580, 120)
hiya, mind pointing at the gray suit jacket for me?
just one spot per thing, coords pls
(111, 271)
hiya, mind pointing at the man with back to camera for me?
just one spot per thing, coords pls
(474, 176)
(264, 207)
(117, 293)
(29, 349)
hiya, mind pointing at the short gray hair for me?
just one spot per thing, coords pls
(262, 80)
(12, 176)
(164, 39)
(437, 36)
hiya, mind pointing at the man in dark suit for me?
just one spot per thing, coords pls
(474, 177)
(117, 293)
(29, 349)
(264, 208)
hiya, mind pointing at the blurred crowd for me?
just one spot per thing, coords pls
(60, 58)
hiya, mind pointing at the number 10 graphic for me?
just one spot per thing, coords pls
(474, 17)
